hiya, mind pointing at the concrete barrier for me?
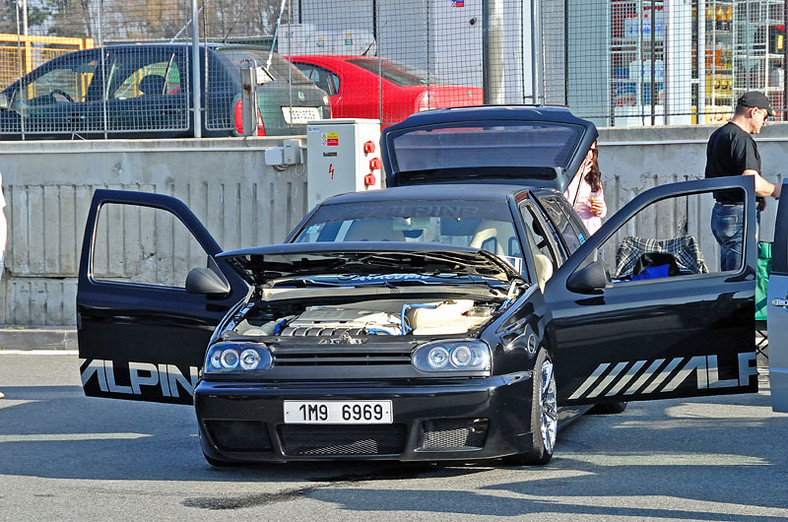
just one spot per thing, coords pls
(242, 201)
(49, 184)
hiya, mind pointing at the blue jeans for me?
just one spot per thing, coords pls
(727, 225)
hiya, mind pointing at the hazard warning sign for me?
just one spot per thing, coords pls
(330, 139)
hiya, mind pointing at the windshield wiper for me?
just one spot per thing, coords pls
(303, 283)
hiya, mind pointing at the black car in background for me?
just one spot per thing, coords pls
(461, 314)
(144, 91)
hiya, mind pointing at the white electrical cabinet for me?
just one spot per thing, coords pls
(343, 155)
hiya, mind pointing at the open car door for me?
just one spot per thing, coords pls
(777, 312)
(142, 329)
(624, 327)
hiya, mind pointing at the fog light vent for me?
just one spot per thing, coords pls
(454, 434)
(332, 440)
(239, 435)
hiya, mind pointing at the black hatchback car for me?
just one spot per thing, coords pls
(461, 314)
(144, 91)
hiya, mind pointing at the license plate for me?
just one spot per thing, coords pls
(300, 115)
(338, 412)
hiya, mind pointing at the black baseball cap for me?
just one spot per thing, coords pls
(756, 100)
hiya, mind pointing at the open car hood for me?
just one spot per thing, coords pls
(260, 265)
(532, 145)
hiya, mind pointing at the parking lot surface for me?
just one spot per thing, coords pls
(67, 457)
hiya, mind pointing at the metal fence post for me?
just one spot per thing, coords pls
(196, 90)
(249, 97)
(492, 49)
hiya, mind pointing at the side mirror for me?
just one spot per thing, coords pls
(4, 101)
(205, 281)
(590, 279)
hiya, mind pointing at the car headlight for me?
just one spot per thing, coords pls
(229, 357)
(452, 356)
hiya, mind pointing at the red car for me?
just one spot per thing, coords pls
(371, 87)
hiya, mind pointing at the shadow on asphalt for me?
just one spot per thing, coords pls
(57, 432)
(676, 449)
(710, 449)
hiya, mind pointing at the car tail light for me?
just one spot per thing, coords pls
(239, 119)
(423, 102)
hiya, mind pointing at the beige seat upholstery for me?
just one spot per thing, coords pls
(544, 269)
(498, 231)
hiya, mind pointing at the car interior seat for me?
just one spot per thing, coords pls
(544, 265)
(373, 230)
(495, 237)
(544, 269)
(152, 84)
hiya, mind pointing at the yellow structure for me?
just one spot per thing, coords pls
(21, 54)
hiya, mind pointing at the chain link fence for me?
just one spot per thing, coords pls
(616, 62)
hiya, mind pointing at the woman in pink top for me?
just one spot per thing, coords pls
(586, 194)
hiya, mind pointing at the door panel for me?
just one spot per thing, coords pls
(777, 312)
(690, 333)
(142, 336)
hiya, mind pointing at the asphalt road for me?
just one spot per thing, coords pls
(67, 457)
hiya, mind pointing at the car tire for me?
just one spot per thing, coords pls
(544, 415)
(608, 408)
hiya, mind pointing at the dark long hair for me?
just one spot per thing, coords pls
(594, 176)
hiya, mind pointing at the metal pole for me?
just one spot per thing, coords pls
(492, 49)
(566, 53)
(24, 17)
(537, 52)
(653, 63)
(701, 62)
(22, 84)
(784, 115)
(374, 19)
(276, 35)
(103, 64)
(196, 89)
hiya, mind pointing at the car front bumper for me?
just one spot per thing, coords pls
(448, 419)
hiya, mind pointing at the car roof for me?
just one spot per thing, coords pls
(498, 112)
(443, 191)
(338, 57)
(179, 45)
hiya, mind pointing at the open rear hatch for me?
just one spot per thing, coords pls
(541, 146)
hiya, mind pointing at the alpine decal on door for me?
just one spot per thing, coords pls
(166, 379)
(661, 375)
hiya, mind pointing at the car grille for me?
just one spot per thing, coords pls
(454, 434)
(312, 331)
(360, 358)
(329, 441)
(239, 435)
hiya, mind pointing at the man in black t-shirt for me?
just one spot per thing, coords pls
(732, 151)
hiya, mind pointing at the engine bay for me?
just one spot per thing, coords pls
(371, 317)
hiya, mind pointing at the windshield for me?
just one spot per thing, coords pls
(486, 225)
(490, 144)
(396, 72)
(280, 69)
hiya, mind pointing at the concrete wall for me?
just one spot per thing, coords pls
(634, 159)
(48, 186)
